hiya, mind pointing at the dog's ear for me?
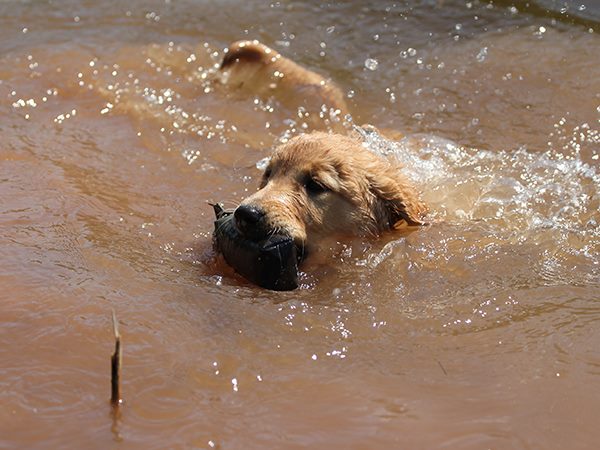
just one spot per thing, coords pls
(244, 52)
(397, 201)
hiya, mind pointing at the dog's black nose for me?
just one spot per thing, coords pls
(250, 220)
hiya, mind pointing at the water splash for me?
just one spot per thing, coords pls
(544, 203)
(522, 188)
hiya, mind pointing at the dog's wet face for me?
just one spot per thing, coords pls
(318, 186)
(302, 200)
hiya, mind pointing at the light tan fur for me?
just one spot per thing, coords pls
(362, 193)
(263, 71)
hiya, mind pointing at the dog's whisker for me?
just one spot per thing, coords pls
(230, 204)
(273, 232)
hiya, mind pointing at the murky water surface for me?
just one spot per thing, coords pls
(479, 331)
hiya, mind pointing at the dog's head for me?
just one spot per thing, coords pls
(321, 185)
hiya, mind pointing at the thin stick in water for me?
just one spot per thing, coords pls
(115, 363)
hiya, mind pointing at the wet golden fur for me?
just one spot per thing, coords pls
(321, 184)
(255, 68)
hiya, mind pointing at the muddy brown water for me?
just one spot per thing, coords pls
(479, 331)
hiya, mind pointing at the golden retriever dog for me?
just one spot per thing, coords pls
(317, 185)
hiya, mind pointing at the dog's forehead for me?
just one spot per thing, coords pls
(301, 166)
(300, 155)
(285, 161)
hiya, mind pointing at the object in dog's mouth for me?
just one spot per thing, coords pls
(271, 262)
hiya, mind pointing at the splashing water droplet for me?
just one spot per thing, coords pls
(371, 63)
(482, 54)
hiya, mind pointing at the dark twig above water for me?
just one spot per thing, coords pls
(115, 363)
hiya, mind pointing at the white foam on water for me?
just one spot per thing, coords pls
(547, 202)
(520, 188)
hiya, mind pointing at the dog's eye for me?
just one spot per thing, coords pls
(313, 187)
(267, 173)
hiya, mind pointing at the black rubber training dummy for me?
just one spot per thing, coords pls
(271, 263)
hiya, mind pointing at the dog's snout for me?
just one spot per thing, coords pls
(248, 214)
(250, 220)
